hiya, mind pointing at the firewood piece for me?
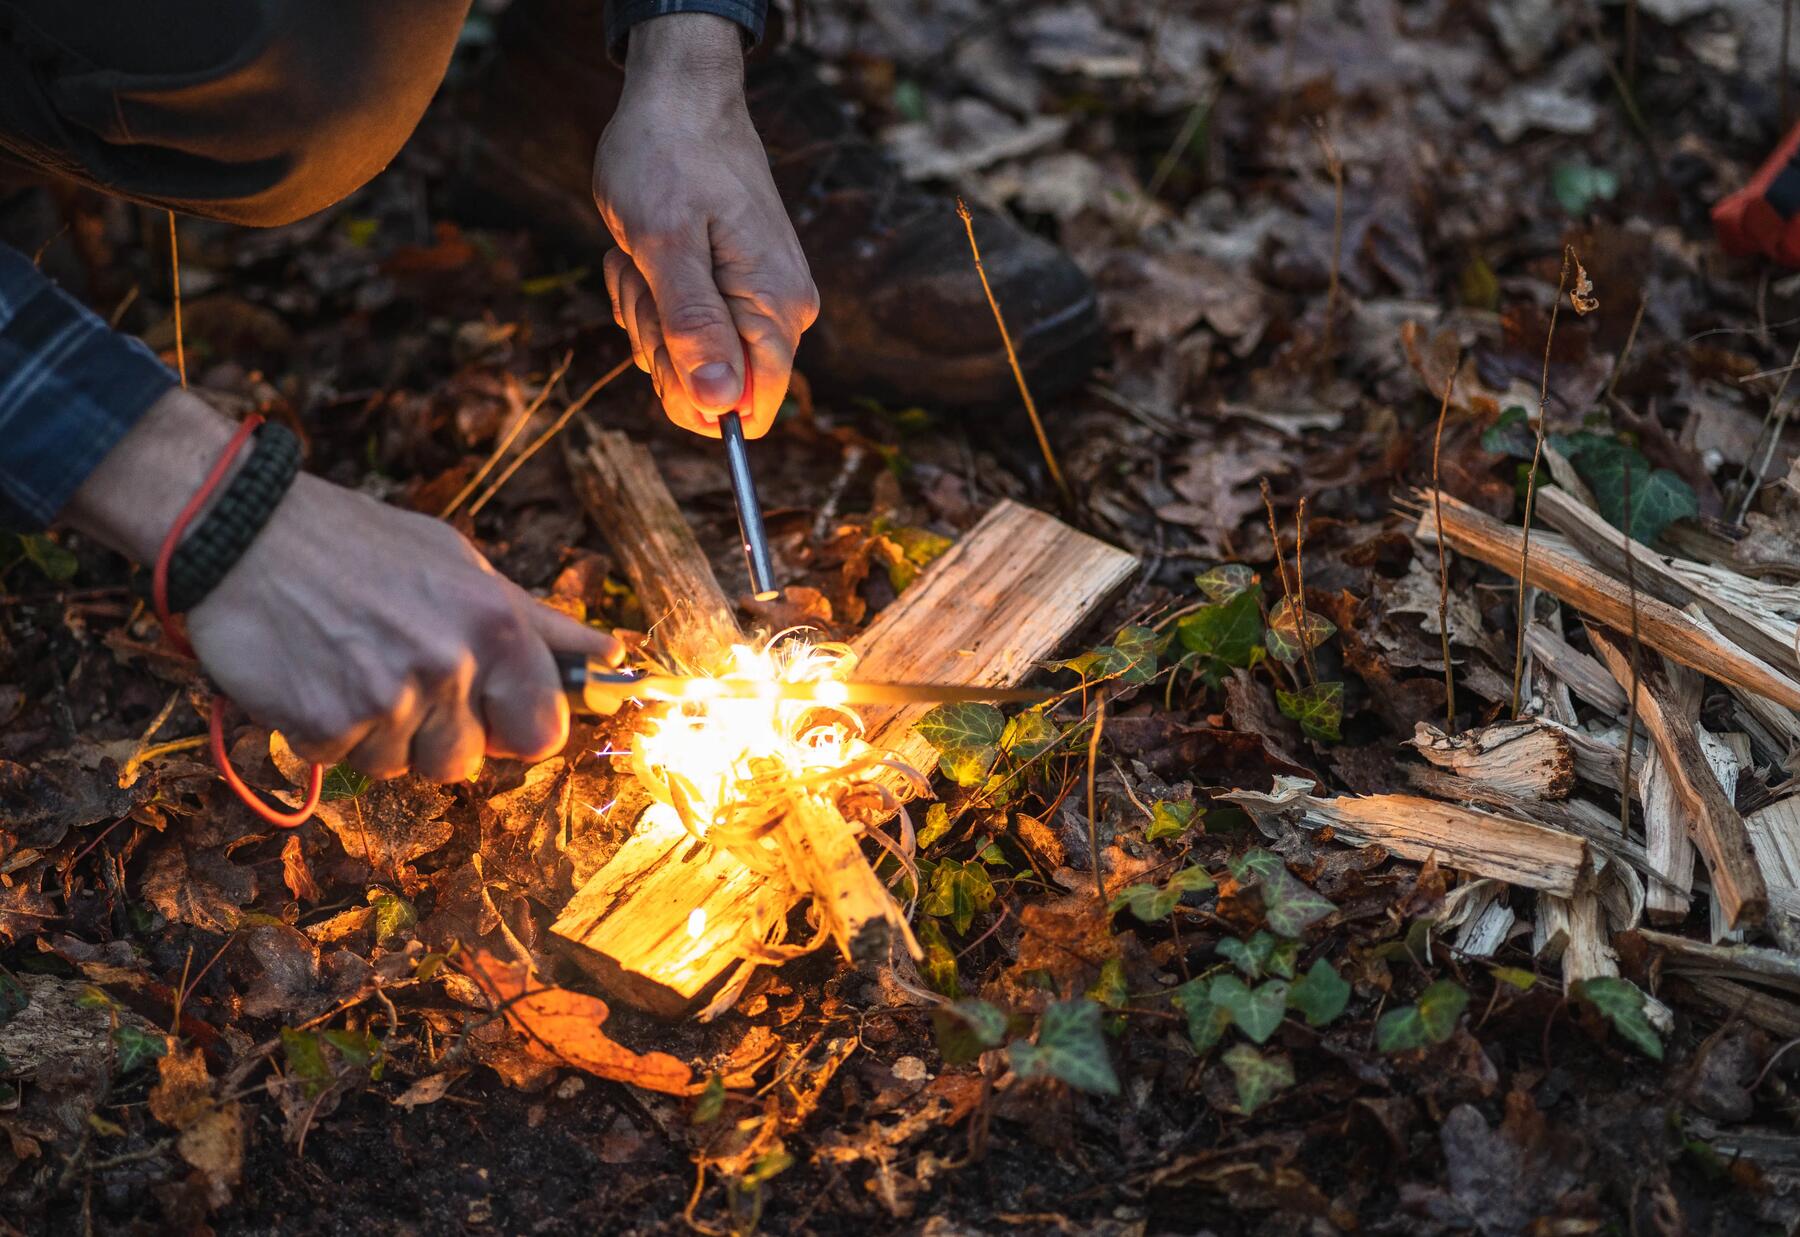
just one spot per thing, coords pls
(1572, 931)
(623, 491)
(1515, 851)
(1586, 677)
(1718, 831)
(1523, 758)
(1658, 576)
(1575, 581)
(824, 855)
(1744, 963)
(654, 924)
(996, 604)
(1666, 841)
(1771, 1013)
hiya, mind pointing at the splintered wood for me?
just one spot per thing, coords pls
(671, 921)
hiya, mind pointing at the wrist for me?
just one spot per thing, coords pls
(131, 500)
(691, 52)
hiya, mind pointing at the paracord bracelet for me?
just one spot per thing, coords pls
(205, 556)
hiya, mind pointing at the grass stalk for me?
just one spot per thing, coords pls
(1537, 455)
(1437, 503)
(175, 286)
(507, 439)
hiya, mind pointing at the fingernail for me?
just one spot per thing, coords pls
(715, 384)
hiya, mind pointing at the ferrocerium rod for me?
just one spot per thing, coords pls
(749, 510)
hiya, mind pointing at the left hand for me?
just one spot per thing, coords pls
(707, 256)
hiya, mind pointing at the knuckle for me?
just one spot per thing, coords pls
(695, 316)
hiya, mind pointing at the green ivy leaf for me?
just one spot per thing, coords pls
(1290, 906)
(1095, 664)
(1028, 736)
(1431, 1021)
(965, 1029)
(1206, 1018)
(1320, 996)
(1110, 989)
(1261, 953)
(1224, 582)
(134, 1047)
(959, 890)
(1070, 1046)
(1578, 186)
(939, 965)
(359, 1048)
(937, 824)
(964, 724)
(1622, 1002)
(1259, 1079)
(1257, 1011)
(343, 782)
(1318, 707)
(394, 917)
(1288, 623)
(1152, 904)
(1658, 496)
(1170, 818)
(1138, 646)
(709, 1103)
(967, 766)
(1228, 633)
(57, 563)
(305, 1057)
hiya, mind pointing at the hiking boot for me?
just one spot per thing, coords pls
(902, 314)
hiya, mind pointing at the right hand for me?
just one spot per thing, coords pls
(381, 638)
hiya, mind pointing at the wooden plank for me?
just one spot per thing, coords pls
(1717, 829)
(1590, 590)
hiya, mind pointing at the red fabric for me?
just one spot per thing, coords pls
(1748, 225)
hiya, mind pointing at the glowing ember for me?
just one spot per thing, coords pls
(727, 766)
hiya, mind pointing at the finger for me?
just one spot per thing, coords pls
(566, 635)
(327, 750)
(523, 712)
(384, 750)
(697, 328)
(772, 364)
(675, 402)
(612, 267)
(638, 308)
(449, 743)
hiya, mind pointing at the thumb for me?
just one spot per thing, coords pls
(698, 329)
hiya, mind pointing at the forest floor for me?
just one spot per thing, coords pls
(1297, 216)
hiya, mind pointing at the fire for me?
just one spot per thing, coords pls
(727, 766)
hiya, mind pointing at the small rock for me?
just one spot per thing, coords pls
(910, 1069)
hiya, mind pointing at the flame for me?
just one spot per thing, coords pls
(726, 765)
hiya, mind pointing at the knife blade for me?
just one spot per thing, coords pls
(595, 687)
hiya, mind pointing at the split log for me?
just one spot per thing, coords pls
(1522, 758)
(1717, 829)
(1577, 582)
(1769, 1012)
(1584, 676)
(1743, 963)
(1515, 851)
(1666, 841)
(1572, 931)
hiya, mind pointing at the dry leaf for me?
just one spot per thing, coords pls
(295, 873)
(1581, 296)
(562, 1025)
(427, 1090)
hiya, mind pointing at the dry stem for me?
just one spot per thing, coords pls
(1093, 819)
(1537, 455)
(1300, 591)
(554, 429)
(175, 282)
(507, 439)
(1012, 358)
(1437, 503)
(1637, 319)
(1631, 696)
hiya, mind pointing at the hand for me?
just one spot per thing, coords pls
(706, 256)
(362, 632)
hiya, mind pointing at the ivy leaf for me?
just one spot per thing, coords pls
(359, 1048)
(1220, 584)
(394, 916)
(1318, 707)
(57, 563)
(1070, 1046)
(1321, 995)
(1138, 645)
(343, 782)
(1228, 633)
(1622, 1002)
(1028, 736)
(965, 1029)
(134, 1047)
(1290, 906)
(1248, 956)
(1514, 977)
(1111, 991)
(967, 766)
(709, 1103)
(1579, 185)
(937, 824)
(958, 891)
(305, 1058)
(1171, 818)
(1431, 1021)
(939, 965)
(1151, 904)
(1658, 496)
(1259, 1079)
(1510, 435)
(1206, 1018)
(965, 724)
(1288, 623)
(1098, 663)
(1257, 1011)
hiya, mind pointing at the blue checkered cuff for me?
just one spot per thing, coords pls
(70, 388)
(622, 15)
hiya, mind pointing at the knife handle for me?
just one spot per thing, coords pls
(591, 685)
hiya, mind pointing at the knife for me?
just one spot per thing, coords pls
(595, 687)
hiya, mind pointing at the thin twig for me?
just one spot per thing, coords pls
(175, 280)
(1775, 424)
(1301, 616)
(1437, 503)
(1632, 695)
(1012, 358)
(1335, 166)
(1287, 593)
(1093, 821)
(506, 439)
(1537, 455)
(1637, 319)
(555, 428)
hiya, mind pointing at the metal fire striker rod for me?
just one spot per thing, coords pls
(743, 489)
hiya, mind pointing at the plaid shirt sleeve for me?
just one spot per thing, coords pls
(70, 387)
(622, 15)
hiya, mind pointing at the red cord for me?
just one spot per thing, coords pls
(159, 596)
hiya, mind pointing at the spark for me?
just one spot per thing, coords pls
(600, 811)
(697, 923)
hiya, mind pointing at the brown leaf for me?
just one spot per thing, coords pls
(519, 830)
(390, 825)
(183, 1090)
(564, 1026)
(211, 1133)
(294, 872)
(1581, 296)
(201, 888)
